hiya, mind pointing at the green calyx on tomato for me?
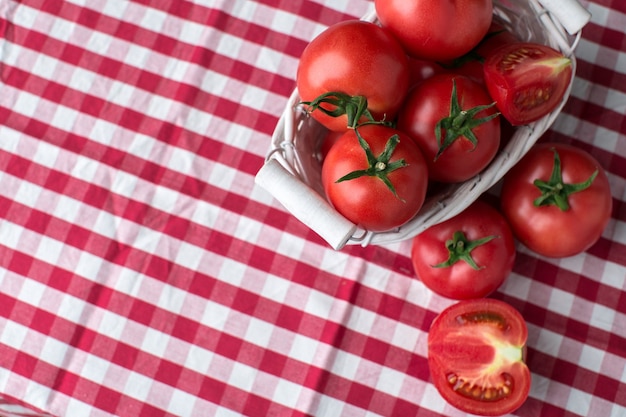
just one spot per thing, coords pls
(378, 166)
(460, 123)
(460, 249)
(555, 191)
(354, 107)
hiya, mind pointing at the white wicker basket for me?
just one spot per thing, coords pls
(292, 169)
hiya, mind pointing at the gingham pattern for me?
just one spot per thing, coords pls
(143, 274)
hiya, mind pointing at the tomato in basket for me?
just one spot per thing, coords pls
(557, 199)
(376, 177)
(527, 80)
(352, 72)
(422, 69)
(467, 256)
(455, 123)
(434, 29)
(476, 353)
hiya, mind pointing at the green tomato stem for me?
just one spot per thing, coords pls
(555, 192)
(378, 166)
(460, 123)
(354, 107)
(460, 249)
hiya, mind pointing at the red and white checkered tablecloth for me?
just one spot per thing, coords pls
(143, 274)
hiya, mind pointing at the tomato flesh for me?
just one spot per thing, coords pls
(527, 80)
(476, 352)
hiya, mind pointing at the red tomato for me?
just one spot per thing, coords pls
(434, 29)
(356, 61)
(387, 192)
(421, 69)
(470, 129)
(476, 352)
(527, 80)
(328, 141)
(467, 256)
(551, 174)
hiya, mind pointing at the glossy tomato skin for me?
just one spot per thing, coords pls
(427, 104)
(527, 80)
(356, 58)
(328, 141)
(494, 258)
(476, 352)
(367, 201)
(421, 69)
(434, 29)
(547, 230)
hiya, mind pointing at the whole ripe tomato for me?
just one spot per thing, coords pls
(434, 29)
(376, 177)
(352, 71)
(476, 353)
(462, 112)
(468, 256)
(557, 199)
(527, 80)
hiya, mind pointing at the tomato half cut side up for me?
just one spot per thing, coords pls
(527, 80)
(476, 352)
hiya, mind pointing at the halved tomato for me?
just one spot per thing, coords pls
(476, 351)
(527, 80)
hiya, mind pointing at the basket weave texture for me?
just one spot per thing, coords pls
(293, 151)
